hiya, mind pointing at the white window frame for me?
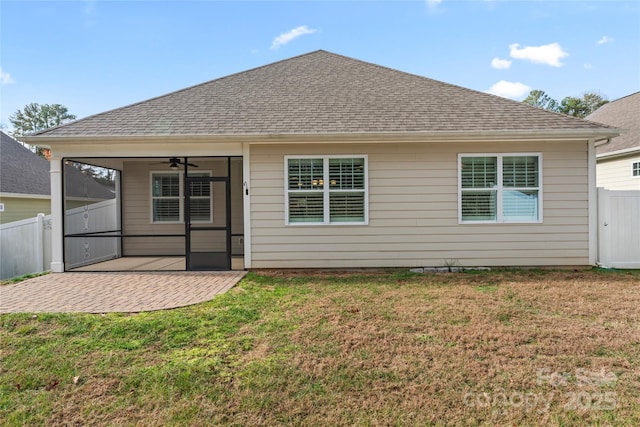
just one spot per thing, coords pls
(500, 189)
(180, 197)
(326, 191)
(635, 165)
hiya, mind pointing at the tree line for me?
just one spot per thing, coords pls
(570, 105)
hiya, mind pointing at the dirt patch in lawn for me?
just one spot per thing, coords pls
(505, 347)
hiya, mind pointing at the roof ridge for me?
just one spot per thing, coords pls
(626, 96)
(45, 131)
(466, 89)
(317, 92)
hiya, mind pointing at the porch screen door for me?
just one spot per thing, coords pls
(208, 225)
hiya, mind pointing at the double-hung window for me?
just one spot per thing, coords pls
(635, 169)
(500, 188)
(167, 198)
(326, 190)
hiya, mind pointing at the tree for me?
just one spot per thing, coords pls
(593, 101)
(35, 117)
(538, 98)
(571, 105)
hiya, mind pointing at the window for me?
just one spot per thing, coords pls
(635, 169)
(326, 190)
(167, 198)
(500, 188)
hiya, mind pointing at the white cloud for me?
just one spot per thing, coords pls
(5, 78)
(500, 64)
(605, 39)
(433, 4)
(285, 38)
(548, 54)
(513, 90)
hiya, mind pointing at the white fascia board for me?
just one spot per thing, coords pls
(619, 153)
(185, 141)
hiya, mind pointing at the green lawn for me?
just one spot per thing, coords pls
(491, 348)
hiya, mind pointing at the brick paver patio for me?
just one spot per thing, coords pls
(114, 292)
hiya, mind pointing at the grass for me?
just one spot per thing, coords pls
(495, 348)
(21, 278)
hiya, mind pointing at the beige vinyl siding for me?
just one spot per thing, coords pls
(18, 208)
(137, 218)
(615, 174)
(413, 211)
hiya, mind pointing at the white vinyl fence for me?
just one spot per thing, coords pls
(25, 246)
(618, 228)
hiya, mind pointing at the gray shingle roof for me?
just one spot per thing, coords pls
(623, 113)
(319, 93)
(24, 172)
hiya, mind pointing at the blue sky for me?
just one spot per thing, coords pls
(93, 56)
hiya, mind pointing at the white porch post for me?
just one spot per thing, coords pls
(246, 191)
(57, 216)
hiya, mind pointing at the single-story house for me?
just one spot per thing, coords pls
(324, 161)
(618, 161)
(25, 184)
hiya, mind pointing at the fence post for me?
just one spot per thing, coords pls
(39, 243)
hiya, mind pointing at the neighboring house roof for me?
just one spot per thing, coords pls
(623, 113)
(24, 172)
(316, 94)
(76, 182)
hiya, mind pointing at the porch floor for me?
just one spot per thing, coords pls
(172, 263)
(137, 264)
(127, 292)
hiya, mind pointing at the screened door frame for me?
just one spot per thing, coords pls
(189, 228)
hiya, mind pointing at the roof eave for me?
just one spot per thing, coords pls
(489, 135)
(619, 153)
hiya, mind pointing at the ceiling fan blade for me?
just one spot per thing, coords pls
(174, 161)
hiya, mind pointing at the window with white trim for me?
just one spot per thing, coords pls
(167, 198)
(326, 190)
(635, 169)
(500, 188)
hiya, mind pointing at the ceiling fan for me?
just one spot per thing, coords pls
(174, 163)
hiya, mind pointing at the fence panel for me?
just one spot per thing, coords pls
(23, 244)
(619, 228)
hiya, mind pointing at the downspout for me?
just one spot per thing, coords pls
(593, 203)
